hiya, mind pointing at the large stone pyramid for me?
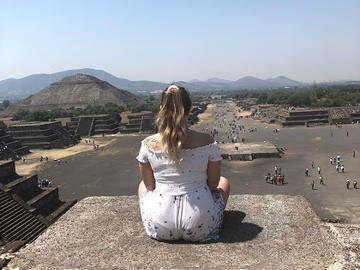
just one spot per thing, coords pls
(78, 91)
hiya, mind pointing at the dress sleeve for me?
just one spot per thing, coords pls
(214, 154)
(143, 154)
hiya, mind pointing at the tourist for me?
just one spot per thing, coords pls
(348, 184)
(179, 199)
(347, 133)
(355, 184)
(321, 180)
(319, 169)
(342, 168)
(276, 169)
(337, 167)
(312, 164)
(313, 185)
(354, 154)
(306, 172)
(331, 161)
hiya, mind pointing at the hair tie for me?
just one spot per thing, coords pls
(173, 86)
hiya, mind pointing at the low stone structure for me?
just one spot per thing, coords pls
(248, 151)
(305, 118)
(26, 209)
(258, 232)
(43, 135)
(88, 125)
(11, 148)
(144, 123)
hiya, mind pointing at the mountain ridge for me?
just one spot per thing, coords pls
(23, 87)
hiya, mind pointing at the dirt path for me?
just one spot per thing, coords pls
(32, 162)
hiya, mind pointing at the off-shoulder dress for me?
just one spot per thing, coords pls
(181, 206)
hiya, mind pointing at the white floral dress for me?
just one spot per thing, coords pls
(182, 205)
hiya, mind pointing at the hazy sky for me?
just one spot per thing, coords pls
(182, 40)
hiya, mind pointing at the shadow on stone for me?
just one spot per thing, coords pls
(234, 230)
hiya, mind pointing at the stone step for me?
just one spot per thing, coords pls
(60, 210)
(15, 227)
(129, 130)
(9, 218)
(21, 150)
(24, 229)
(6, 138)
(31, 236)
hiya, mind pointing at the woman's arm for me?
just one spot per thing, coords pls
(213, 173)
(147, 175)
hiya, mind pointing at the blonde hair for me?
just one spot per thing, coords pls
(171, 121)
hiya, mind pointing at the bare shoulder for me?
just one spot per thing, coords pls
(153, 142)
(198, 139)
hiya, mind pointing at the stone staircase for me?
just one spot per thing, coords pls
(88, 125)
(17, 222)
(139, 123)
(84, 126)
(26, 209)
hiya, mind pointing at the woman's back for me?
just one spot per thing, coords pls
(191, 171)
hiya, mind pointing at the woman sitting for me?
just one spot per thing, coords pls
(182, 195)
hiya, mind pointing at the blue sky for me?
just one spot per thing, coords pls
(182, 40)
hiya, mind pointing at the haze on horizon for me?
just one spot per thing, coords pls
(162, 41)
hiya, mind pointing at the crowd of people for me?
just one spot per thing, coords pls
(276, 178)
(44, 183)
(337, 162)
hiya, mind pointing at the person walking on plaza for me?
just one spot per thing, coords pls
(321, 180)
(355, 184)
(276, 169)
(312, 164)
(319, 170)
(331, 161)
(342, 168)
(313, 185)
(306, 172)
(348, 184)
(354, 154)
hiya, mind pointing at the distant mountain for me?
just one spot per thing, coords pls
(217, 80)
(77, 91)
(284, 81)
(24, 87)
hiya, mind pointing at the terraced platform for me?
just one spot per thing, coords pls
(248, 151)
(26, 210)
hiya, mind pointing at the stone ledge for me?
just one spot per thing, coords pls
(259, 232)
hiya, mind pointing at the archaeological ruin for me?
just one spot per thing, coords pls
(88, 125)
(45, 135)
(11, 148)
(26, 209)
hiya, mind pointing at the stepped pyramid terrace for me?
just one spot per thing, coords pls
(44, 135)
(11, 148)
(88, 125)
(26, 209)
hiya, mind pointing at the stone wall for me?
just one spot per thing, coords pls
(258, 232)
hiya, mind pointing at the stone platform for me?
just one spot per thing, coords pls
(258, 232)
(248, 151)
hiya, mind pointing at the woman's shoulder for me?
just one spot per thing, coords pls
(198, 139)
(153, 142)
